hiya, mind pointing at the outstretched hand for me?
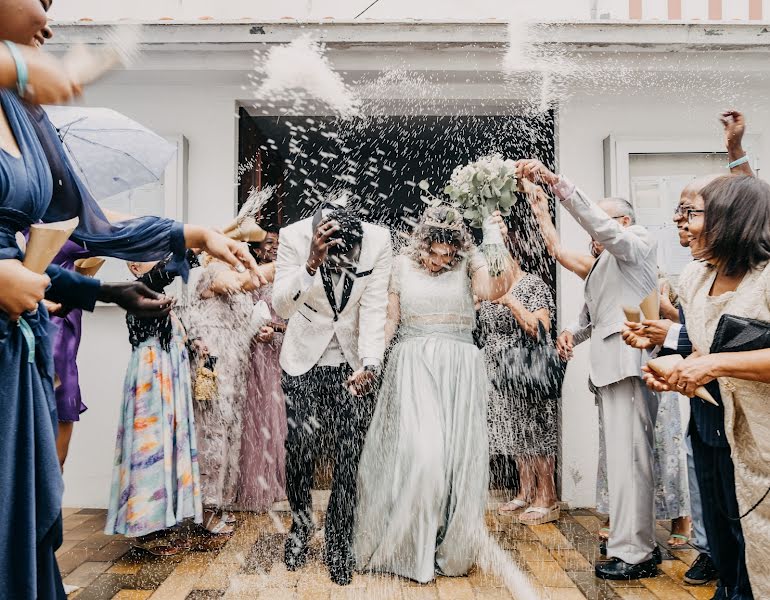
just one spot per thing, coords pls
(234, 253)
(137, 299)
(535, 171)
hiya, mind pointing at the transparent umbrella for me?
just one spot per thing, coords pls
(110, 152)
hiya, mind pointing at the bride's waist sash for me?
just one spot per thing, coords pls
(458, 332)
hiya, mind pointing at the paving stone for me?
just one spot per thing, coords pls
(551, 537)
(701, 592)
(86, 573)
(665, 588)
(592, 587)
(571, 560)
(132, 595)
(106, 586)
(550, 574)
(637, 594)
(205, 595)
(563, 594)
(72, 559)
(454, 588)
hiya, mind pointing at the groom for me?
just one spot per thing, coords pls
(331, 283)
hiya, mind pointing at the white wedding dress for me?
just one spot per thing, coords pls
(423, 475)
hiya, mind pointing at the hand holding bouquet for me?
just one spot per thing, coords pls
(480, 189)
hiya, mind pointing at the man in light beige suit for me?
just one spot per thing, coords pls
(624, 273)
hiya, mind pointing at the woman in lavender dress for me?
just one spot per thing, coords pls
(69, 403)
(262, 471)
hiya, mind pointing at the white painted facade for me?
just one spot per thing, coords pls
(194, 76)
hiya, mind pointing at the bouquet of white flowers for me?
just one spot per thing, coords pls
(479, 189)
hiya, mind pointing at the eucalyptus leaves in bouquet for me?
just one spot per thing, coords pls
(479, 189)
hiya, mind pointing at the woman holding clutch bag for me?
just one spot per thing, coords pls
(729, 230)
(36, 183)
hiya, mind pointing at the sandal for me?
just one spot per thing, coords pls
(678, 540)
(547, 515)
(216, 525)
(512, 507)
(158, 547)
(229, 518)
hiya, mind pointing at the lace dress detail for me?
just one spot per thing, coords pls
(747, 412)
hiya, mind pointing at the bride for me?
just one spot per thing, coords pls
(423, 475)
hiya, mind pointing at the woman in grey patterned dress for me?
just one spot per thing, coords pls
(520, 426)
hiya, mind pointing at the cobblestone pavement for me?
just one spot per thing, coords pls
(558, 557)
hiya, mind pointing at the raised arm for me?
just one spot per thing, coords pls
(625, 243)
(734, 124)
(48, 80)
(577, 262)
(486, 287)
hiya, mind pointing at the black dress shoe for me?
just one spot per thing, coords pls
(617, 569)
(295, 549)
(340, 574)
(701, 571)
(656, 553)
(340, 563)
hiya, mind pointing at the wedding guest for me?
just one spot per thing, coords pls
(424, 471)
(42, 186)
(730, 238)
(624, 274)
(155, 478)
(262, 464)
(665, 333)
(521, 425)
(671, 487)
(69, 402)
(220, 315)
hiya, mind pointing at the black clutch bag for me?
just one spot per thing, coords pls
(739, 334)
(532, 370)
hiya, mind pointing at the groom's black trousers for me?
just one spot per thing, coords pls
(320, 409)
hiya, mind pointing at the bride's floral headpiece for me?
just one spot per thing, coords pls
(440, 214)
(443, 217)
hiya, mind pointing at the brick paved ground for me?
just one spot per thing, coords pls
(558, 557)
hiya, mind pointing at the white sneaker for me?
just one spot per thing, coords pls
(68, 589)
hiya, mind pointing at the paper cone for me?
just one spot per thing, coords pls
(651, 306)
(663, 366)
(247, 231)
(45, 241)
(89, 266)
(633, 314)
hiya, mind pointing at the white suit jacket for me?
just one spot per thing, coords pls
(624, 274)
(360, 324)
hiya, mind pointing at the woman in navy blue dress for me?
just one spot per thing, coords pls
(37, 184)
